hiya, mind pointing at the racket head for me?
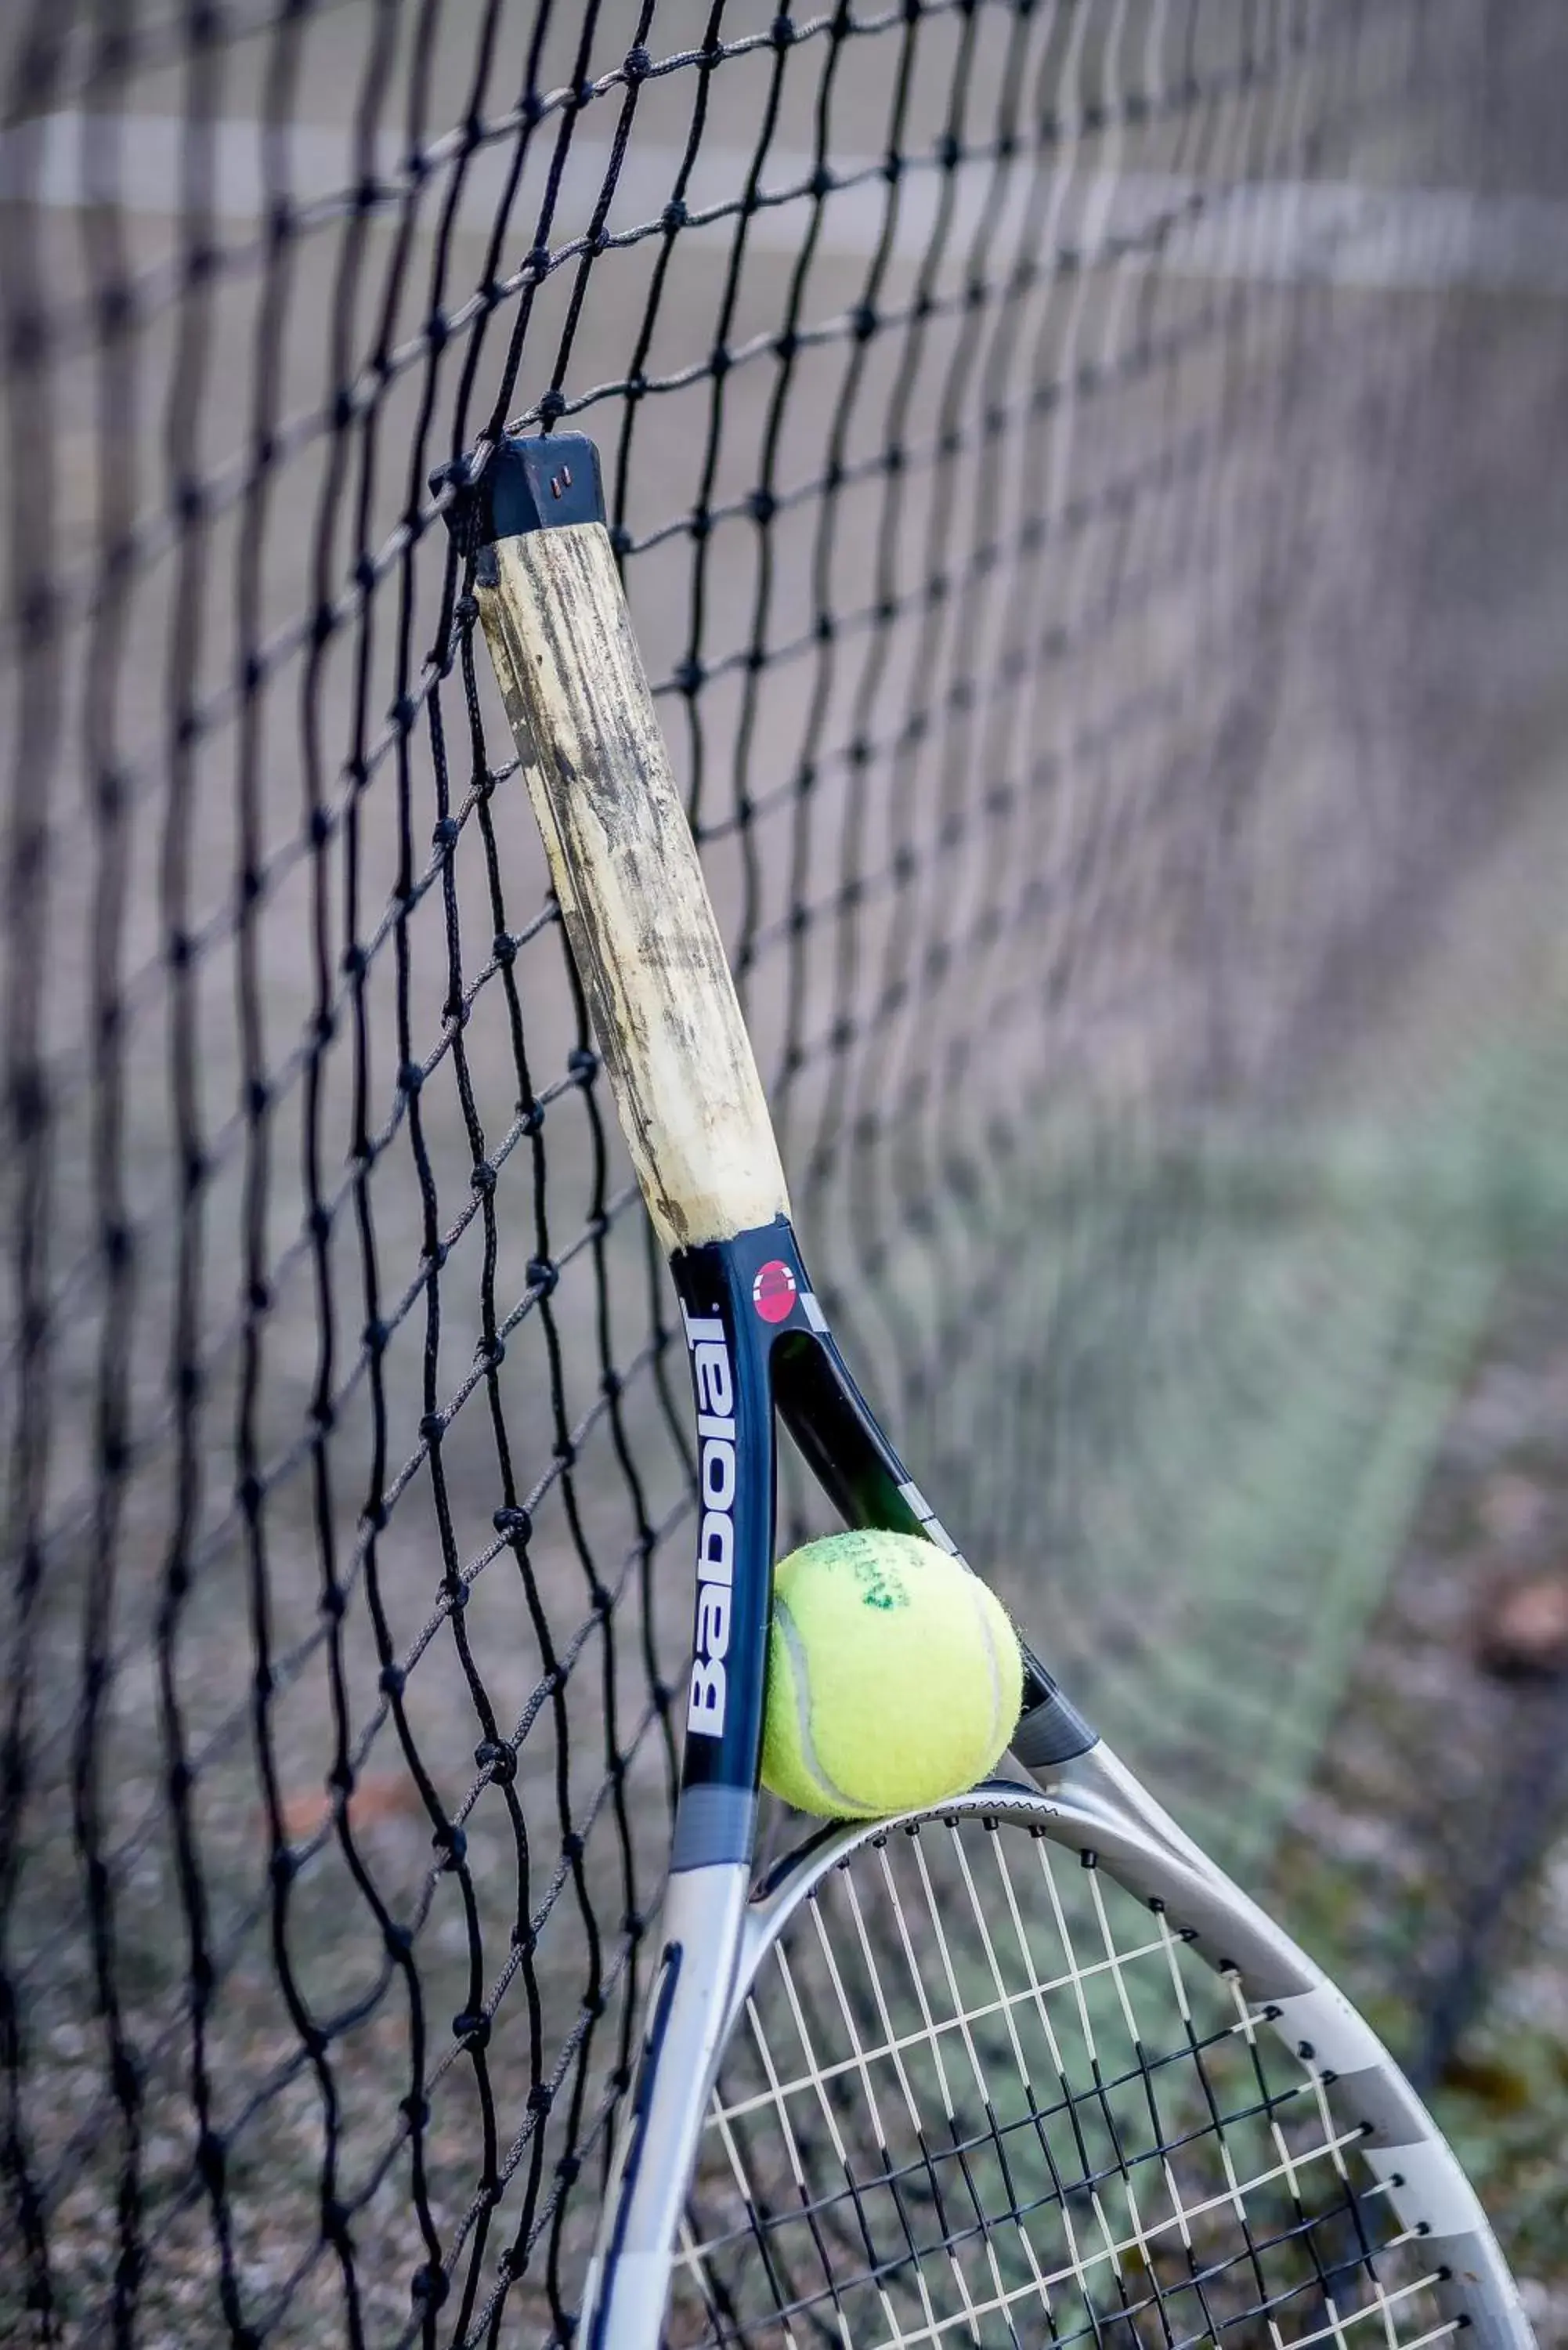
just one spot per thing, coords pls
(1015, 2071)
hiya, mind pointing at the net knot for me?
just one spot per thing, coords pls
(514, 1524)
(492, 1754)
(117, 310)
(126, 2074)
(29, 342)
(637, 64)
(429, 2287)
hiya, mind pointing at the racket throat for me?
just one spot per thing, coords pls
(731, 1293)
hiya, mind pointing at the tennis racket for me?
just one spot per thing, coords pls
(1026, 2067)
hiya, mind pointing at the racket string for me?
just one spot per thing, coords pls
(982, 2094)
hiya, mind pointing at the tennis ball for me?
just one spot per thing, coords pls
(894, 1676)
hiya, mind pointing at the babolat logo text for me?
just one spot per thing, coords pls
(715, 1386)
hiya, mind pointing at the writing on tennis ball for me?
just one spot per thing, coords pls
(894, 1676)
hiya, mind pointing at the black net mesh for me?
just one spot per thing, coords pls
(1088, 485)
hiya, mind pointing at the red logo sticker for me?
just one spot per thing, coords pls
(774, 1291)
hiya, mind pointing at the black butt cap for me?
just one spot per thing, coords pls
(539, 484)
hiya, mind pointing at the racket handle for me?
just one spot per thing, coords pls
(637, 915)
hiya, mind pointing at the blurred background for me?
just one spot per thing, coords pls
(1088, 475)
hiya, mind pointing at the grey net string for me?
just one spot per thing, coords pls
(1084, 478)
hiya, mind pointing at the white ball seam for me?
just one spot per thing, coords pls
(999, 1729)
(829, 1788)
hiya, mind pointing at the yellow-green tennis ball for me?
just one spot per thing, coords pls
(894, 1676)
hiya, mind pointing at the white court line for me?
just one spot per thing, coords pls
(1285, 230)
